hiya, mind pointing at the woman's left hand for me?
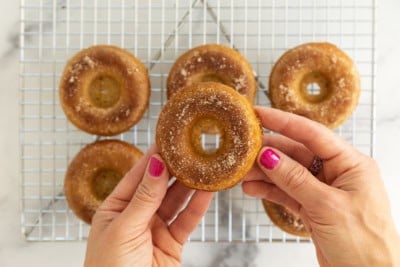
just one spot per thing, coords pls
(141, 223)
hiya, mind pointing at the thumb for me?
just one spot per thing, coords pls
(149, 193)
(292, 177)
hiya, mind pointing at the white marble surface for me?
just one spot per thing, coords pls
(14, 251)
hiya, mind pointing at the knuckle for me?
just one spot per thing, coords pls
(296, 177)
(368, 164)
(145, 193)
(373, 163)
(194, 212)
(96, 218)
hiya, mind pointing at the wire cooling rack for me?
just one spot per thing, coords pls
(157, 32)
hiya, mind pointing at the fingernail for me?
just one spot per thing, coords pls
(156, 167)
(269, 159)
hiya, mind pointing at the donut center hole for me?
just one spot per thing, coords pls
(104, 182)
(210, 142)
(104, 91)
(314, 87)
(207, 136)
(211, 77)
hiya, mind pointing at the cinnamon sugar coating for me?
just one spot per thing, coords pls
(213, 62)
(181, 123)
(321, 63)
(104, 90)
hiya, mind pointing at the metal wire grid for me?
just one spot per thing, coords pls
(157, 32)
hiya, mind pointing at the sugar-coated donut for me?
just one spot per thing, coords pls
(94, 172)
(182, 122)
(285, 219)
(104, 90)
(321, 63)
(216, 63)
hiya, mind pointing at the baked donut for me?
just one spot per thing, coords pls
(323, 64)
(285, 219)
(216, 63)
(94, 172)
(181, 124)
(104, 90)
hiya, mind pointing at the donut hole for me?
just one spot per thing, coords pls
(207, 136)
(104, 91)
(212, 77)
(104, 182)
(210, 142)
(315, 87)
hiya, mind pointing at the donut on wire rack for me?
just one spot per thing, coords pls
(104, 90)
(94, 172)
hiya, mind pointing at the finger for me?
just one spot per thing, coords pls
(293, 149)
(292, 177)
(176, 197)
(256, 174)
(123, 192)
(149, 194)
(319, 139)
(290, 147)
(270, 192)
(189, 218)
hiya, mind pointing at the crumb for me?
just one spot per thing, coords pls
(89, 61)
(342, 83)
(184, 72)
(230, 160)
(240, 82)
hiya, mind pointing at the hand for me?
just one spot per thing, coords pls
(346, 209)
(136, 224)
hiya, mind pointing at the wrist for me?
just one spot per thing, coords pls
(396, 249)
(384, 250)
(392, 249)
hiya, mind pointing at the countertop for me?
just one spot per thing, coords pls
(15, 251)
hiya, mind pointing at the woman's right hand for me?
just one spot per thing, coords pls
(346, 209)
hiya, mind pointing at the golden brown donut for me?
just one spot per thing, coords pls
(104, 90)
(285, 219)
(94, 172)
(216, 63)
(321, 63)
(182, 122)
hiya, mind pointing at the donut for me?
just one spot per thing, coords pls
(94, 172)
(319, 63)
(285, 219)
(181, 124)
(104, 90)
(216, 63)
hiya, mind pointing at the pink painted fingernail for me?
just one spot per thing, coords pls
(269, 159)
(156, 167)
